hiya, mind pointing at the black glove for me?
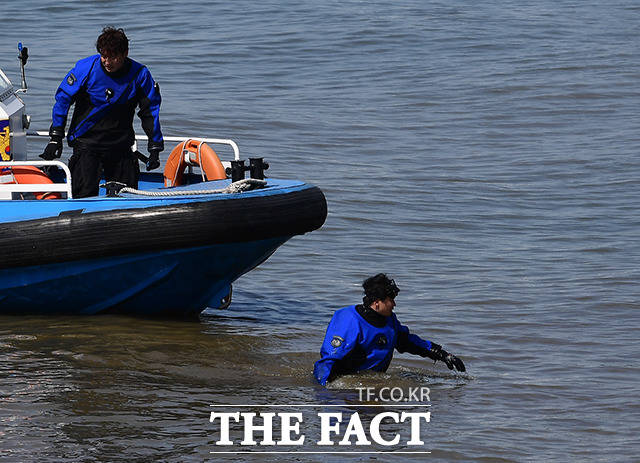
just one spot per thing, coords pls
(154, 160)
(438, 353)
(454, 362)
(53, 150)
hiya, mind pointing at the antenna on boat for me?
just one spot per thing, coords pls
(23, 56)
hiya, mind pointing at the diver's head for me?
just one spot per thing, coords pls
(113, 46)
(380, 293)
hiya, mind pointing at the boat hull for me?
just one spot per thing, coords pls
(168, 256)
(179, 282)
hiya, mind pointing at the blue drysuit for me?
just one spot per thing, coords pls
(101, 129)
(358, 338)
(105, 104)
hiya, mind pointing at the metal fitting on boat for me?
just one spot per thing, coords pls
(237, 170)
(257, 166)
(256, 169)
(113, 188)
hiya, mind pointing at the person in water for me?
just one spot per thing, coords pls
(106, 88)
(363, 337)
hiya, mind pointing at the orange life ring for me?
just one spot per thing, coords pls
(192, 153)
(27, 175)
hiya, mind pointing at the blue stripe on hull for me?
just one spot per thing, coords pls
(11, 211)
(177, 282)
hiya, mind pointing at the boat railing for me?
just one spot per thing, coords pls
(6, 189)
(220, 141)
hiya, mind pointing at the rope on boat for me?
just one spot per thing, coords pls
(236, 187)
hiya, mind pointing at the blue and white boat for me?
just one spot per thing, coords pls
(156, 250)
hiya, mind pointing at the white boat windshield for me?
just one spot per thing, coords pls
(5, 84)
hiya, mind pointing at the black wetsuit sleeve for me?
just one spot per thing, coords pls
(149, 113)
(412, 343)
(405, 345)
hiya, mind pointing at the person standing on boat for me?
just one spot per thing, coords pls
(363, 337)
(106, 88)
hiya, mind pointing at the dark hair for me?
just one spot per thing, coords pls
(112, 41)
(378, 288)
